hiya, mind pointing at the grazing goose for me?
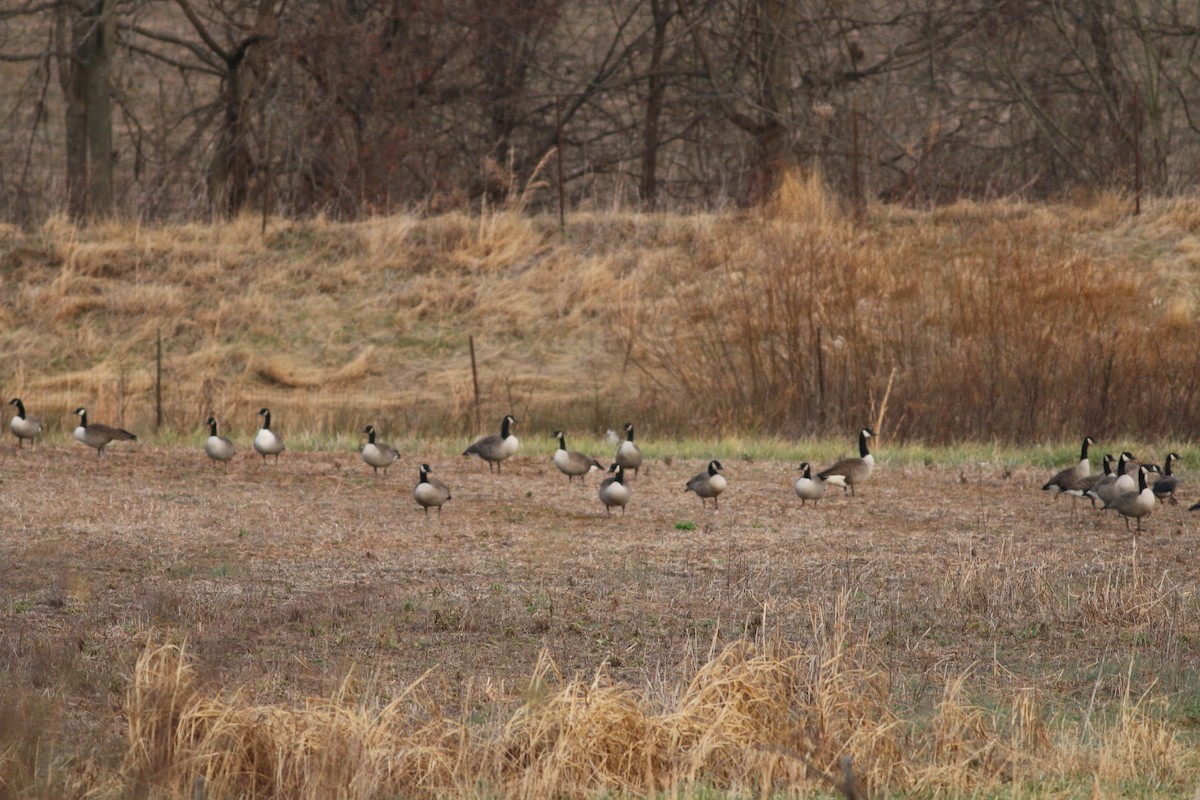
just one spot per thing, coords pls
(266, 441)
(628, 454)
(1089, 483)
(807, 487)
(1118, 483)
(497, 447)
(24, 427)
(1136, 504)
(1067, 480)
(217, 447)
(572, 463)
(1164, 488)
(430, 492)
(377, 454)
(708, 484)
(849, 472)
(613, 491)
(97, 435)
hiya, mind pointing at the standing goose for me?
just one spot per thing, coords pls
(628, 454)
(97, 435)
(24, 427)
(1118, 483)
(266, 441)
(1089, 483)
(430, 492)
(497, 447)
(1164, 488)
(613, 491)
(809, 488)
(708, 484)
(1067, 480)
(570, 462)
(1138, 503)
(218, 448)
(849, 472)
(377, 454)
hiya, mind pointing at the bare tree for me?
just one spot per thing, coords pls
(84, 30)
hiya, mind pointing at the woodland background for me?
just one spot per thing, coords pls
(190, 109)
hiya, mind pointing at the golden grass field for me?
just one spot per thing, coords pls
(1003, 322)
(171, 630)
(304, 631)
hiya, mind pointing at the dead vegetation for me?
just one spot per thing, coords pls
(1004, 321)
(303, 631)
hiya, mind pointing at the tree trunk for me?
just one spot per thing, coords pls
(99, 109)
(69, 30)
(83, 32)
(774, 20)
(661, 10)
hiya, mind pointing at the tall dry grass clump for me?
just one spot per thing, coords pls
(769, 717)
(990, 323)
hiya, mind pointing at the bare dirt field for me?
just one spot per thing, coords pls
(285, 579)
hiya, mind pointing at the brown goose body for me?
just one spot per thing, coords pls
(497, 447)
(430, 492)
(1135, 504)
(849, 472)
(267, 442)
(22, 426)
(98, 435)
(218, 448)
(1068, 480)
(807, 487)
(572, 463)
(629, 455)
(1164, 488)
(1118, 483)
(709, 483)
(613, 491)
(378, 455)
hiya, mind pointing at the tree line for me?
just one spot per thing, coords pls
(187, 109)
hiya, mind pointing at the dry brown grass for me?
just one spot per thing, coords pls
(303, 631)
(1002, 321)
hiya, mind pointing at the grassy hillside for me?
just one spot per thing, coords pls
(998, 322)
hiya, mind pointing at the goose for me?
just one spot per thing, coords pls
(570, 462)
(98, 435)
(1136, 504)
(708, 484)
(613, 491)
(809, 488)
(377, 454)
(1164, 487)
(1118, 483)
(497, 447)
(266, 441)
(1067, 480)
(24, 427)
(430, 492)
(1088, 483)
(628, 454)
(218, 448)
(849, 472)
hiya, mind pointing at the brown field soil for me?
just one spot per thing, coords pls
(285, 580)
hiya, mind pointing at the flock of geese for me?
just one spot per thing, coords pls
(1117, 489)
(614, 490)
